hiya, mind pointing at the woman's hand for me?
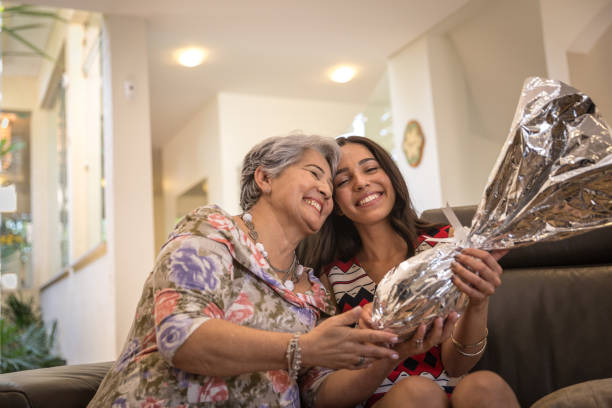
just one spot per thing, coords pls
(365, 320)
(422, 340)
(477, 273)
(335, 344)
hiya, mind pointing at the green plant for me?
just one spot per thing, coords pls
(14, 31)
(25, 342)
(14, 236)
(21, 312)
(5, 149)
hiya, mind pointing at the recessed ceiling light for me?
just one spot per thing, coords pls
(343, 74)
(191, 57)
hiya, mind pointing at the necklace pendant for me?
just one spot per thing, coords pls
(289, 284)
(261, 249)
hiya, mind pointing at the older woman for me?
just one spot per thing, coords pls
(227, 315)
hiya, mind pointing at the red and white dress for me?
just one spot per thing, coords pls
(353, 287)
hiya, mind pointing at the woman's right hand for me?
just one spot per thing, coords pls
(421, 340)
(335, 344)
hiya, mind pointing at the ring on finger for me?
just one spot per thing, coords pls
(361, 361)
(419, 343)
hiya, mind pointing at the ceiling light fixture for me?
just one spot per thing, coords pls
(191, 57)
(343, 74)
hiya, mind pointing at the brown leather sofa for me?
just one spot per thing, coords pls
(549, 330)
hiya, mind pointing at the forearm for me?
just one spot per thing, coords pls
(470, 329)
(220, 348)
(347, 388)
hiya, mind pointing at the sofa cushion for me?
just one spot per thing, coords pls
(64, 386)
(589, 394)
(549, 328)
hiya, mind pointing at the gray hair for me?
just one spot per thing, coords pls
(277, 153)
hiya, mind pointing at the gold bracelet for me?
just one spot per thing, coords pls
(461, 346)
(479, 352)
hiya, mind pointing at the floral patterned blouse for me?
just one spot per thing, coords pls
(209, 268)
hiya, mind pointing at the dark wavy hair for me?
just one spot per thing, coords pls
(339, 239)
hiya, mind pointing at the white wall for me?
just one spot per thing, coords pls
(19, 93)
(246, 120)
(462, 81)
(128, 166)
(562, 22)
(83, 306)
(412, 99)
(191, 155)
(214, 141)
(466, 156)
(590, 70)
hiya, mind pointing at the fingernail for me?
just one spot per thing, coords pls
(394, 339)
(394, 356)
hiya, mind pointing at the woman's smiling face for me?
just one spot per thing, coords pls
(302, 192)
(362, 190)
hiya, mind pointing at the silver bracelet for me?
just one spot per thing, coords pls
(294, 357)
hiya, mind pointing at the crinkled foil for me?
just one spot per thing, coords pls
(553, 179)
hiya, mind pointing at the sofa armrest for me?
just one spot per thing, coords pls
(588, 394)
(64, 386)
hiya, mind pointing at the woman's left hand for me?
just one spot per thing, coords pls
(477, 273)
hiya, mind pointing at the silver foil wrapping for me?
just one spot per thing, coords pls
(552, 179)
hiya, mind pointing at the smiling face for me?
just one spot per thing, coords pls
(362, 190)
(302, 192)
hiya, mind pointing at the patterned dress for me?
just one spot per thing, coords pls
(353, 287)
(208, 269)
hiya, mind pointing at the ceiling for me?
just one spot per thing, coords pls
(271, 47)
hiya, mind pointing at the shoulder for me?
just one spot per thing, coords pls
(203, 221)
(207, 229)
(205, 218)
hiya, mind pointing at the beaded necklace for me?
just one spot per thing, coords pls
(291, 275)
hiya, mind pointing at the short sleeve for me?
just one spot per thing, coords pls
(189, 278)
(310, 383)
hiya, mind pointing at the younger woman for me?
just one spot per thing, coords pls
(373, 228)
